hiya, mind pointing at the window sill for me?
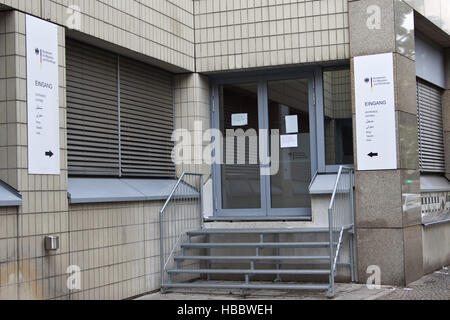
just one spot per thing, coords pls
(442, 220)
(323, 184)
(434, 184)
(101, 190)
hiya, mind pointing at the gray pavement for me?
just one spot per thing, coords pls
(435, 286)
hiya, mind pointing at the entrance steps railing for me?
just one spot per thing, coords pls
(290, 259)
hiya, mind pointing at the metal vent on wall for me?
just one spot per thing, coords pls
(119, 115)
(431, 128)
(92, 111)
(146, 115)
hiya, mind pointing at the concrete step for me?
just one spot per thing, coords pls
(272, 245)
(261, 286)
(249, 272)
(256, 231)
(253, 258)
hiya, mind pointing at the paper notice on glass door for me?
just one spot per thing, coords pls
(291, 124)
(289, 141)
(239, 120)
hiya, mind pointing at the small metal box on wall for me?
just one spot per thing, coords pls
(51, 243)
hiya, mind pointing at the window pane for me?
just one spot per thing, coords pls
(338, 117)
(289, 113)
(241, 181)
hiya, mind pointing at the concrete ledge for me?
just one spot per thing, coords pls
(92, 190)
(8, 196)
(434, 223)
(323, 184)
(434, 183)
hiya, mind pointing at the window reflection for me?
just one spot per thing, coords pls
(241, 181)
(338, 117)
(289, 113)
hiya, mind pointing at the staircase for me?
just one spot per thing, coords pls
(284, 259)
(274, 257)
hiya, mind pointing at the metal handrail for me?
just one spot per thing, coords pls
(338, 224)
(164, 262)
(336, 185)
(161, 212)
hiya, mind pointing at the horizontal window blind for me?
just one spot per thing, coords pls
(92, 110)
(146, 118)
(431, 127)
(119, 115)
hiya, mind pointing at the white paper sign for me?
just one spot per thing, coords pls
(291, 124)
(239, 120)
(42, 97)
(289, 141)
(375, 112)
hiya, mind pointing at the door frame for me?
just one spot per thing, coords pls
(314, 77)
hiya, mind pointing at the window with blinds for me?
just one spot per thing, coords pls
(119, 115)
(431, 127)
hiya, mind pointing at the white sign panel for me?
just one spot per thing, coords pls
(239, 120)
(375, 112)
(43, 97)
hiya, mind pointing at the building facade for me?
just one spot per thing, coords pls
(132, 72)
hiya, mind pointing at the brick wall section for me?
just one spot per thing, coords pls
(162, 29)
(242, 34)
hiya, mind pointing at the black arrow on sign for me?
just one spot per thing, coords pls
(372, 154)
(49, 154)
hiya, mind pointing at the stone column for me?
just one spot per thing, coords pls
(389, 231)
(192, 113)
(192, 105)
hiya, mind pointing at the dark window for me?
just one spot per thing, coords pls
(119, 115)
(338, 117)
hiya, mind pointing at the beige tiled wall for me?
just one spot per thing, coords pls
(8, 254)
(116, 245)
(107, 243)
(13, 121)
(45, 208)
(8, 154)
(192, 104)
(242, 34)
(160, 29)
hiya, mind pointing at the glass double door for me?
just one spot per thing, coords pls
(262, 120)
